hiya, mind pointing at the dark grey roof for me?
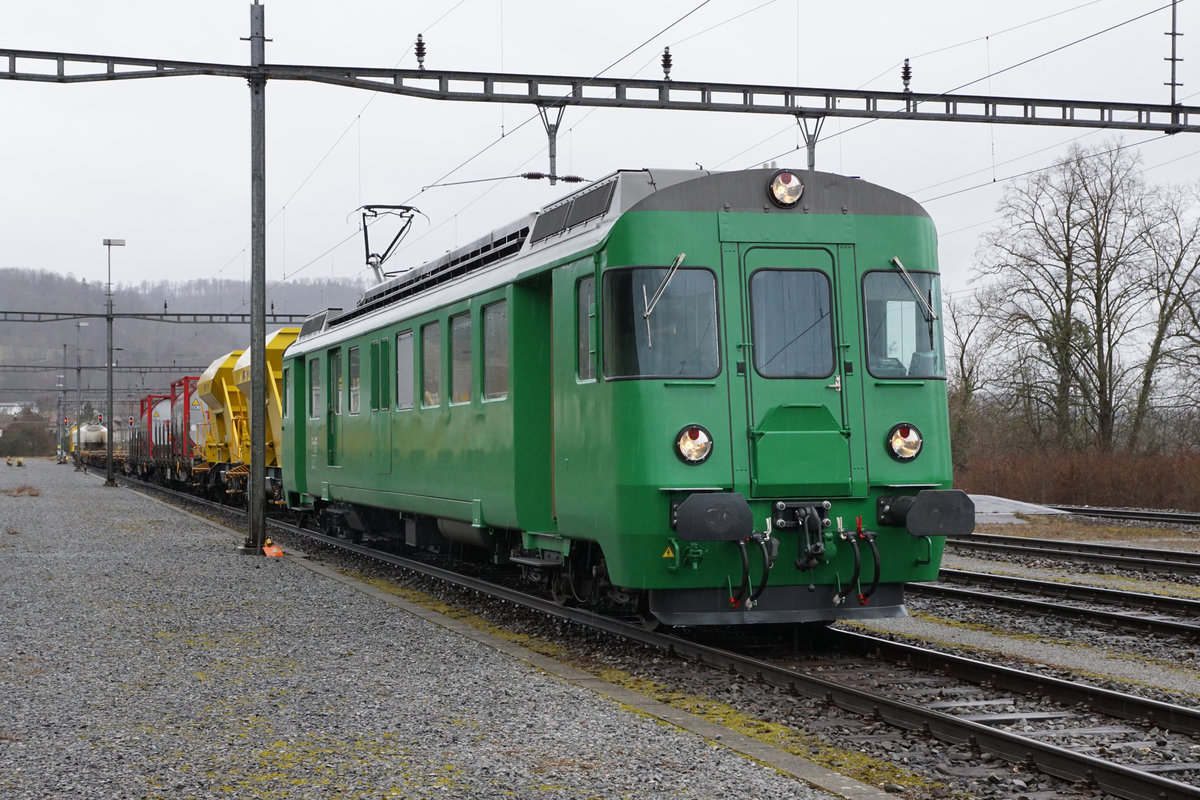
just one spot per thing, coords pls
(824, 193)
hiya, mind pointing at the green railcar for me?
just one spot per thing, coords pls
(715, 398)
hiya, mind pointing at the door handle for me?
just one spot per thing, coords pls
(836, 385)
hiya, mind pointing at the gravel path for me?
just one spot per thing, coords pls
(142, 657)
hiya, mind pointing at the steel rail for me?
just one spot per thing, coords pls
(1142, 515)
(1167, 604)
(1175, 718)
(1117, 779)
(1132, 622)
(1117, 555)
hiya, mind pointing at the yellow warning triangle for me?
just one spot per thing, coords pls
(669, 553)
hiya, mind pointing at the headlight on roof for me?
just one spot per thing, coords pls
(785, 188)
(693, 444)
(904, 442)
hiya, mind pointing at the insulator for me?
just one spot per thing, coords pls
(666, 63)
(906, 74)
(420, 51)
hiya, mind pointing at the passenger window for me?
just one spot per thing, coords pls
(335, 381)
(495, 351)
(792, 323)
(404, 370)
(460, 358)
(585, 313)
(314, 388)
(354, 380)
(431, 365)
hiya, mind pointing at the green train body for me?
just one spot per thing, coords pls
(667, 390)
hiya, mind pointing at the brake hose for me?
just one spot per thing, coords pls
(768, 562)
(852, 538)
(737, 601)
(869, 536)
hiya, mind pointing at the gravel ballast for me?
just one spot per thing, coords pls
(143, 657)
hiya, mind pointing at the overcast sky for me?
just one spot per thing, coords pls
(164, 162)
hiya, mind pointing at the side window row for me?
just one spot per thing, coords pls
(495, 367)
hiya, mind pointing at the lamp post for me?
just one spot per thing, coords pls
(108, 440)
(62, 411)
(78, 400)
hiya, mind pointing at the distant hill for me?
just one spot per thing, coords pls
(141, 343)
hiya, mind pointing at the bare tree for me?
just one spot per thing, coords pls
(1035, 253)
(1069, 254)
(1114, 294)
(971, 343)
(1172, 280)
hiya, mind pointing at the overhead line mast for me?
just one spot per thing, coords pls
(551, 93)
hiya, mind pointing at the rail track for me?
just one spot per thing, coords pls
(1055, 738)
(976, 724)
(1124, 556)
(1161, 615)
(1139, 515)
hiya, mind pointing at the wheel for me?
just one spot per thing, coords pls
(560, 590)
(645, 617)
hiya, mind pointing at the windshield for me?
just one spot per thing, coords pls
(677, 339)
(902, 340)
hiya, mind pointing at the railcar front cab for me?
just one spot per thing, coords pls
(817, 432)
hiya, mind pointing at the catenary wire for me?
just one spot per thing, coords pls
(509, 133)
(1001, 71)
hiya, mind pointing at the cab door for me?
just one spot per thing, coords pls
(799, 420)
(334, 421)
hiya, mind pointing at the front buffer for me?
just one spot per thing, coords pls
(813, 543)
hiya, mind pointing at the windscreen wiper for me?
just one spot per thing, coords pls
(929, 315)
(662, 287)
(652, 301)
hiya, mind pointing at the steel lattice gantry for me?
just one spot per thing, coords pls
(182, 318)
(552, 91)
(176, 369)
